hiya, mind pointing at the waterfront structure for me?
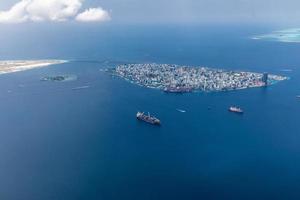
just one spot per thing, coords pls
(265, 78)
(179, 79)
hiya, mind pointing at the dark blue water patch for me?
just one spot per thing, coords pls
(57, 143)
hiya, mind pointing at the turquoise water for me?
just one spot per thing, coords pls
(288, 35)
(59, 143)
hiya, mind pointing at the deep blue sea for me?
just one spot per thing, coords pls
(62, 144)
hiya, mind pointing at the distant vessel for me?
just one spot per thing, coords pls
(235, 110)
(182, 111)
(147, 118)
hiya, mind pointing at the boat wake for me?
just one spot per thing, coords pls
(81, 87)
(182, 111)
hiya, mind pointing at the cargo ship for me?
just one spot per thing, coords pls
(147, 118)
(236, 110)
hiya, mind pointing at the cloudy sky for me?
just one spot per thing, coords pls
(151, 11)
(23, 11)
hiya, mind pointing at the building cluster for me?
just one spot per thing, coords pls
(174, 78)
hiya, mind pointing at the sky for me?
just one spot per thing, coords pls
(152, 11)
(69, 28)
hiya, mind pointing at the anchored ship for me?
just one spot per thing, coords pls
(147, 118)
(235, 110)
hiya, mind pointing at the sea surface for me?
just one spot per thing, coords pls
(62, 144)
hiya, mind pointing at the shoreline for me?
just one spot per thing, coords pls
(11, 66)
(182, 79)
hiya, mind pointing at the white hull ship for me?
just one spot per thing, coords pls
(235, 109)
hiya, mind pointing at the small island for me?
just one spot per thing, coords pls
(287, 35)
(180, 79)
(59, 78)
(10, 66)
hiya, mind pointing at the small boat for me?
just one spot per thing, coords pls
(182, 111)
(235, 110)
(147, 118)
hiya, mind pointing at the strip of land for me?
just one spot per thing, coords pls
(10, 66)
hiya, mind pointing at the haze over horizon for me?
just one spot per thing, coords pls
(47, 28)
(156, 11)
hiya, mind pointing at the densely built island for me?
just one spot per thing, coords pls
(178, 79)
(9, 66)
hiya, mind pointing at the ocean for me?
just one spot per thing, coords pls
(62, 144)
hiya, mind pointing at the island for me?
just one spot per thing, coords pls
(59, 78)
(180, 79)
(287, 35)
(9, 66)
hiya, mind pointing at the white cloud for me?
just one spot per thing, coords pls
(51, 10)
(93, 15)
(16, 14)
